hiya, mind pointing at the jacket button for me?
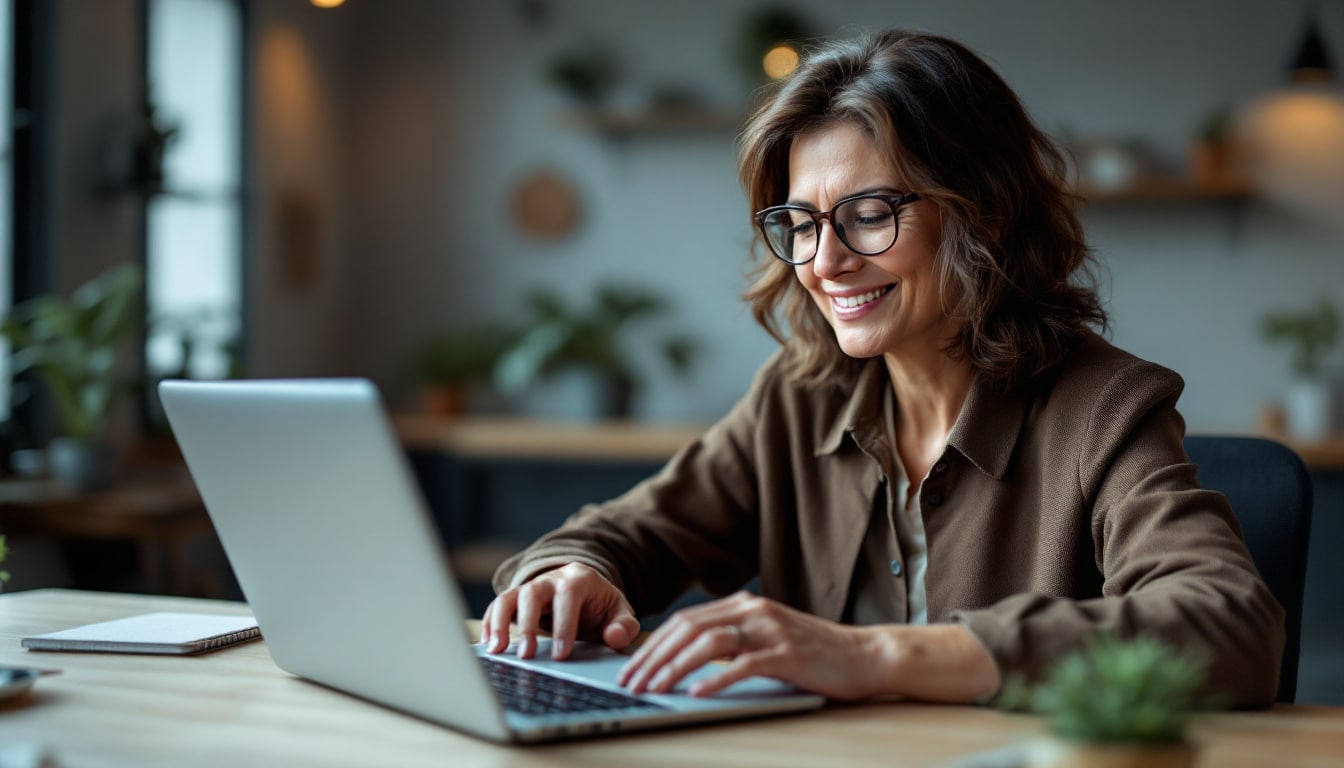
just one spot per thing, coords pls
(941, 466)
(895, 567)
(935, 498)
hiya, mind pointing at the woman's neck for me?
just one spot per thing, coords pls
(930, 391)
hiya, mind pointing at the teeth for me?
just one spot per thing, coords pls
(850, 302)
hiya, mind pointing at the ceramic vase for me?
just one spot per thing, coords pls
(1308, 406)
(80, 465)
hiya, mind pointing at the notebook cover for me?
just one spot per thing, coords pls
(170, 633)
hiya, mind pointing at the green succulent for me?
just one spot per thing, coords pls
(1139, 690)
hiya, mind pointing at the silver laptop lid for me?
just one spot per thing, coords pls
(309, 490)
(316, 506)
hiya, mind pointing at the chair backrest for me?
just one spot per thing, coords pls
(1270, 492)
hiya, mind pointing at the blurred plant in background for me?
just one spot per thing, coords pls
(561, 337)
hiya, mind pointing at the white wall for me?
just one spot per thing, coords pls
(445, 108)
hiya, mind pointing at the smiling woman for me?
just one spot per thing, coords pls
(945, 478)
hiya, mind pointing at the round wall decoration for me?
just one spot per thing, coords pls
(546, 205)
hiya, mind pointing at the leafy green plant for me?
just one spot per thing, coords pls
(462, 356)
(561, 336)
(4, 551)
(1216, 126)
(587, 71)
(1136, 691)
(73, 345)
(1311, 333)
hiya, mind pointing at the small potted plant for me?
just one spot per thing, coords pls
(1119, 703)
(561, 337)
(587, 72)
(449, 364)
(1211, 155)
(74, 345)
(1311, 334)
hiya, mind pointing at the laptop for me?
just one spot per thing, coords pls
(338, 556)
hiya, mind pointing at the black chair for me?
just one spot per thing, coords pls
(1270, 492)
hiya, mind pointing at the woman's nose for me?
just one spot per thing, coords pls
(833, 256)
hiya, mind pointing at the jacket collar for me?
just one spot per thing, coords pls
(986, 431)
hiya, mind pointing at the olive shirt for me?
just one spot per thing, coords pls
(1052, 514)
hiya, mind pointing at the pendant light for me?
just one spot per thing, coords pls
(1312, 65)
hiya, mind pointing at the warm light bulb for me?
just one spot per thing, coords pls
(780, 61)
(326, 3)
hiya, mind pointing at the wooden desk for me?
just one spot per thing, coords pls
(160, 511)
(234, 707)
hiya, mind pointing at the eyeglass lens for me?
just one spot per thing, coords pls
(866, 225)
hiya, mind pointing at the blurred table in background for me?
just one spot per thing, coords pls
(158, 510)
(514, 438)
(1326, 454)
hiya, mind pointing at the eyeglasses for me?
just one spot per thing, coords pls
(866, 224)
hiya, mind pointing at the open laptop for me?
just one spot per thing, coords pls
(342, 564)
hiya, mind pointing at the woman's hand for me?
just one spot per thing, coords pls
(942, 662)
(762, 637)
(579, 601)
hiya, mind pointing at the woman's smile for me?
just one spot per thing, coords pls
(852, 306)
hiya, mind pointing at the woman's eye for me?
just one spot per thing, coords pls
(873, 219)
(802, 228)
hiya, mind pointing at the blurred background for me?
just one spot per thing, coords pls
(500, 198)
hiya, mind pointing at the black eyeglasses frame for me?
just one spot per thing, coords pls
(896, 201)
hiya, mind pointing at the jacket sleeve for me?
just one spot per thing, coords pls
(696, 520)
(1170, 555)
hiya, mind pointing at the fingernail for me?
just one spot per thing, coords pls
(558, 649)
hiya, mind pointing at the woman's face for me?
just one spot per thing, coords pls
(883, 304)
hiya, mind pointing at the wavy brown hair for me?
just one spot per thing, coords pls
(1013, 264)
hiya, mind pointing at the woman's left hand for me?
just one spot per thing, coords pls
(762, 637)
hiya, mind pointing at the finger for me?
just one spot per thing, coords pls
(501, 615)
(485, 625)
(667, 643)
(710, 644)
(565, 609)
(741, 667)
(664, 641)
(534, 599)
(622, 629)
(684, 624)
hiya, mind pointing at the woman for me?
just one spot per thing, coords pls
(945, 477)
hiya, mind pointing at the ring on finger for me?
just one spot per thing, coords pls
(739, 636)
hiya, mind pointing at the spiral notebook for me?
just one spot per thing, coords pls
(170, 633)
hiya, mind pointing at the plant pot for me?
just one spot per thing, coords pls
(81, 465)
(1308, 406)
(1056, 753)
(443, 400)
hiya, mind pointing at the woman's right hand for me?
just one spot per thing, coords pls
(580, 602)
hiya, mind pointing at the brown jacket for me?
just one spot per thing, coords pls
(1050, 516)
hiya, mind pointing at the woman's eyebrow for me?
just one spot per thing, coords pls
(883, 190)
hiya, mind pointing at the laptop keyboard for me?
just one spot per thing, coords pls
(533, 693)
